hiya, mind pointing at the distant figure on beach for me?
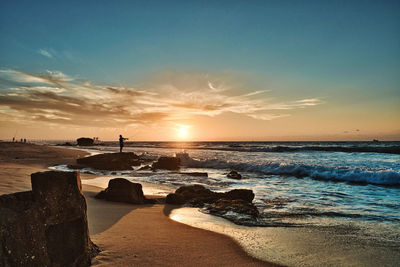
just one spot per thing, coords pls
(121, 142)
(13, 139)
(24, 140)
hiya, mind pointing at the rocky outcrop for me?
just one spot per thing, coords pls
(122, 190)
(234, 175)
(110, 161)
(243, 194)
(235, 205)
(48, 225)
(198, 195)
(167, 163)
(84, 141)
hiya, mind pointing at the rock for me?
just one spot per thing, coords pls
(122, 190)
(167, 163)
(234, 175)
(48, 225)
(196, 174)
(84, 141)
(235, 205)
(199, 194)
(196, 195)
(111, 161)
(243, 194)
(175, 199)
(191, 192)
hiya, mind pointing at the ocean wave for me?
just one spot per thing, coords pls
(358, 175)
(347, 149)
(351, 147)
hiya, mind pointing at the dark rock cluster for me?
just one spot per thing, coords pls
(122, 190)
(167, 163)
(125, 161)
(84, 141)
(48, 225)
(109, 161)
(235, 205)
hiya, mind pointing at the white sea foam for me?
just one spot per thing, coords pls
(348, 174)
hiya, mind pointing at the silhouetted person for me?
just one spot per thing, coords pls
(13, 139)
(121, 142)
(21, 140)
(25, 140)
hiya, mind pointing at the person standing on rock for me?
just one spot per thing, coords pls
(121, 142)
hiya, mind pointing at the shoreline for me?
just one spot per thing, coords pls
(127, 234)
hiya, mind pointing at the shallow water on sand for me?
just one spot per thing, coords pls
(344, 245)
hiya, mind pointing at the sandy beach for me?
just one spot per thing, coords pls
(128, 235)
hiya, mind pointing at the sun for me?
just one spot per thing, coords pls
(182, 132)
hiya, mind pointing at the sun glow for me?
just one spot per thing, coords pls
(183, 131)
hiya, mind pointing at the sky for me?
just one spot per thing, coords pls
(200, 70)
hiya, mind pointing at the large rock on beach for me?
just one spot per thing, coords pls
(198, 195)
(167, 163)
(48, 225)
(122, 190)
(84, 141)
(228, 205)
(111, 161)
(243, 194)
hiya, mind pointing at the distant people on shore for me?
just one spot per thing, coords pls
(22, 140)
(121, 142)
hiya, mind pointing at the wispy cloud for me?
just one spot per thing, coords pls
(56, 98)
(45, 53)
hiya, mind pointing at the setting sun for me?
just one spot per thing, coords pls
(182, 132)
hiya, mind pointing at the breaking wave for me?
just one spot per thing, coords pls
(359, 175)
(348, 149)
(271, 147)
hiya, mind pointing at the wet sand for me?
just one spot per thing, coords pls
(128, 235)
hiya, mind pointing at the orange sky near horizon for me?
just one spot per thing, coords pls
(185, 107)
(185, 101)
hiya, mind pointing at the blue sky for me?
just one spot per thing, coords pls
(340, 52)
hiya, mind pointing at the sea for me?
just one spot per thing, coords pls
(319, 202)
